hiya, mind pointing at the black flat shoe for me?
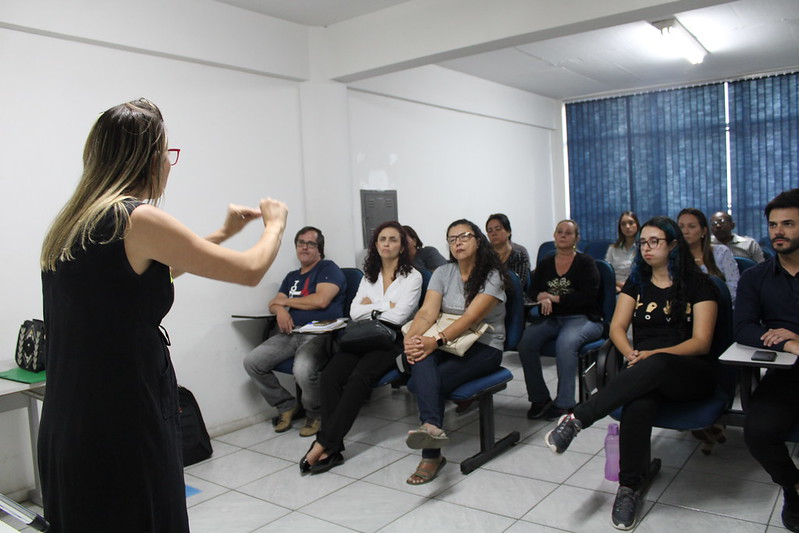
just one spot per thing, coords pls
(305, 466)
(332, 460)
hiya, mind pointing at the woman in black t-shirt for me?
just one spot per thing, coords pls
(565, 285)
(672, 307)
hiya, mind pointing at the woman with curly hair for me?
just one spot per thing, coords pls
(471, 285)
(672, 307)
(391, 288)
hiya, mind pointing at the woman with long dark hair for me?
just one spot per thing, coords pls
(109, 443)
(390, 287)
(512, 255)
(471, 285)
(672, 307)
(713, 259)
(621, 253)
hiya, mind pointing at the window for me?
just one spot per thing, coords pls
(658, 152)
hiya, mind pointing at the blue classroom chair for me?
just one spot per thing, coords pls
(598, 248)
(483, 389)
(744, 263)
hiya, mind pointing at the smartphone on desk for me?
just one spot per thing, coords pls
(764, 355)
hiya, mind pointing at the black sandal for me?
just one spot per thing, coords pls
(305, 466)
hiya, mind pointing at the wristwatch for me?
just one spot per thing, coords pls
(439, 340)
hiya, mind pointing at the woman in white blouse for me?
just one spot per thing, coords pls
(392, 287)
(621, 253)
(716, 260)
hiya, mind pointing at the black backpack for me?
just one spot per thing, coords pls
(196, 442)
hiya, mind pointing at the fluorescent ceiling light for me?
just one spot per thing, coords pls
(681, 40)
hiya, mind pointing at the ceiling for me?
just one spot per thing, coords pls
(743, 38)
(314, 12)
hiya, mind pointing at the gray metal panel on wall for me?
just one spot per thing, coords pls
(376, 207)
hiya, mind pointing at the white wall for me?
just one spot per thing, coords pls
(240, 140)
(463, 157)
(202, 31)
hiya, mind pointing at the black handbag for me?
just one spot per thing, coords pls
(196, 442)
(361, 336)
(31, 346)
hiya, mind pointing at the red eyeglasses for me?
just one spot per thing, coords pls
(174, 155)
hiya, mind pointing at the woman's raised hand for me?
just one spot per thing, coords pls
(274, 212)
(237, 217)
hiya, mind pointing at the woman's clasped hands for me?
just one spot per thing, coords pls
(418, 347)
(636, 356)
(545, 301)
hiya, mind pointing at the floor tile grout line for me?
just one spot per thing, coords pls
(707, 511)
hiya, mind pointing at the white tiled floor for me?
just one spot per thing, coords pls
(253, 484)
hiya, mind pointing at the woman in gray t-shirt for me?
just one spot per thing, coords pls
(471, 285)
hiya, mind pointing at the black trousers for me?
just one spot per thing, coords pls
(773, 412)
(641, 389)
(346, 383)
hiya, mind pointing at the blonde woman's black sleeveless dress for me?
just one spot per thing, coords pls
(109, 441)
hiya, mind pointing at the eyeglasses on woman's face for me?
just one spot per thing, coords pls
(651, 242)
(462, 237)
(173, 154)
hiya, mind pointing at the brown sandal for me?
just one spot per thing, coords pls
(422, 438)
(426, 476)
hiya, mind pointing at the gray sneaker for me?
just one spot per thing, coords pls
(559, 438)
(624, 508)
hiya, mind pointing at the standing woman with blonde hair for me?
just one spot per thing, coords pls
(109, 443)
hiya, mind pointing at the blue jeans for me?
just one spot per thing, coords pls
(570, 333)
(440, 373)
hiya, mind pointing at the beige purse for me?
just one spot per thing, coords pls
(456, 346)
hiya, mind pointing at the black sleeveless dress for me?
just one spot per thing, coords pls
(109, 443)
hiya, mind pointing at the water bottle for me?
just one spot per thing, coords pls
(612, 453)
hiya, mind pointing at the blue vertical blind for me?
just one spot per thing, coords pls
(656, 153)
(764, 146)
(600, 177)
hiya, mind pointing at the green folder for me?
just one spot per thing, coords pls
(24, 376)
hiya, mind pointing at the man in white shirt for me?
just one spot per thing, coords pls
(722, 225)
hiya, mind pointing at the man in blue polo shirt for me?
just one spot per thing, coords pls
(314, 292)
(767, 316)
